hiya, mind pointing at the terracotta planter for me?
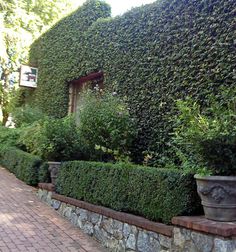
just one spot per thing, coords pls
(53, 169)
(218, 195)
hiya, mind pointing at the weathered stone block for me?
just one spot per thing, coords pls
(56, 204)
(94, 218)
(106, 224)
(49, 198)
(121, 246)
(131, 242)
(88, 228)
(117, 229)
(62, 207)
(180, 237)
(67, 212)
(129, 229)
(221, 245)
(74, 218)
(82, 213)
(145, 243)
(203, 242)
(165, 241)
(101, 235)
(40, 193)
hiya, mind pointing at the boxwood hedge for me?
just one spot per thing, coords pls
(153, 55)
(157, 194)
(24, 165)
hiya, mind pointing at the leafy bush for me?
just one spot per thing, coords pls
(9, 136)
(52, 139)
(158, 194)
(26, 115)
(44, 174)
(24, 165)
(105, 125)
(207, 138)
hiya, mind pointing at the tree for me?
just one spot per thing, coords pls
(22, 21)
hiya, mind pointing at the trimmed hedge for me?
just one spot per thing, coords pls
(24, 165)
(154, 55)
(157, 194)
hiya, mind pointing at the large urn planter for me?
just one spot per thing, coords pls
(218, 196)
(53, 169)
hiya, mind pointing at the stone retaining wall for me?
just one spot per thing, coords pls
(118, 235)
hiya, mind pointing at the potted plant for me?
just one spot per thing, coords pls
(207, 138)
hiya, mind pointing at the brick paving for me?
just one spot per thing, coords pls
(27, 224)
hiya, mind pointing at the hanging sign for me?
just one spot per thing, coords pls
(28, 76)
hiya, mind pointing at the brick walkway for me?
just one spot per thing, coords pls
(26, 224)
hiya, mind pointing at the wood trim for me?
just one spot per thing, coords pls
(75, 84)
(90, 77)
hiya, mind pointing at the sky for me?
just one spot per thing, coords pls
(118, 7)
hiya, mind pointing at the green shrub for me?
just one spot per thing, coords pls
(44, 174)
(52, 139)
(9, 136)
(207, 138)
(26, 115)
(105, 125)
(157, 194)
(24, 165)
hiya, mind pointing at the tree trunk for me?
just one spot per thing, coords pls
(5, 115)
(4, 95)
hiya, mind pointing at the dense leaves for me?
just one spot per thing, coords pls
(24, 165)
(158, 194)
(21, 22)
(9, 137)
(153, 55)
(105, 126)
(52, 139)
(57, 54)
(207, 138)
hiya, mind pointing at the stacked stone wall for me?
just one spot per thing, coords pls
(118, 235)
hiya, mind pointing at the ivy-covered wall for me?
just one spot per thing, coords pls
(153, 55)
(58, 53)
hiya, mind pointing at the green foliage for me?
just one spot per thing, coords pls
(154, 55)
(21, 22)
(158, 194)
(105, 125)
(26, 115)
(208, 138)
(52, 139)
(9, 137)
(24, 165)
(44, 174)
(56, 54)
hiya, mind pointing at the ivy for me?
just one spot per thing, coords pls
(153, 55)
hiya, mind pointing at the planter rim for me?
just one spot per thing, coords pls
(218, 178)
